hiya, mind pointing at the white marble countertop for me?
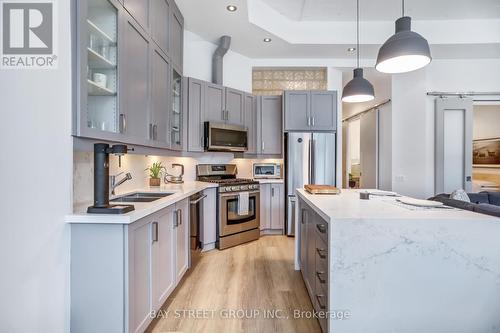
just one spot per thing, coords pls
(400, 270)
(348, 206)
(270, 181)
(142, 209)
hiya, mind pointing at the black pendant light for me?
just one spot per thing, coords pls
(358, 89)
(405, 51)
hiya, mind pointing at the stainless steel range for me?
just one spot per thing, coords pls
(238, 204)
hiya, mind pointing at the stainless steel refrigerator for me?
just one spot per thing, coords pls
(310, 158)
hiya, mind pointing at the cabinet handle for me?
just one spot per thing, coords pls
(321, 305)
(227, 114)
(308, 121)
(223, 116)
(312, 121)
(304, 213)
(321, 253)
(272, 191)
(321, 228)
(155, 132)
(320, 277)
(179, 216)
(122, 125)
(176, 218)
(263, 146)
(155, 231)
(151, 136)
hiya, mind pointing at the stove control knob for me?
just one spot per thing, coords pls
(245, 187)
(235, 188)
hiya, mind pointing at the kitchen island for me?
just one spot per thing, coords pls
(386, 267)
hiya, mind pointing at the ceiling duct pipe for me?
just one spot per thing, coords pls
(217, 64)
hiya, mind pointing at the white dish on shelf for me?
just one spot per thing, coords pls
(383, 193)
(419, 202)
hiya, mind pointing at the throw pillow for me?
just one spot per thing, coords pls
(460, 195)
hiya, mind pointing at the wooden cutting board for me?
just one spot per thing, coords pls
(321, 189)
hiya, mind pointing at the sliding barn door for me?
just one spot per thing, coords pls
(368, 149)
(454, 121)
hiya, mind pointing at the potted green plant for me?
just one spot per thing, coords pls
(156, 171)
(352, 182)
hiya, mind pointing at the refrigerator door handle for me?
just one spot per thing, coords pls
(312, 161)
(309, 157)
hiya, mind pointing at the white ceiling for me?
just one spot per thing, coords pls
(376, 10)
(257, 19)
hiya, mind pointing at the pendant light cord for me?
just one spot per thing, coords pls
(403, 8)
(357, 32)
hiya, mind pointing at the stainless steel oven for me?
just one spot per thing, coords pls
(225, 137)
(230, 221)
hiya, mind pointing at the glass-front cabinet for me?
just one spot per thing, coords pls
(99, 70)
(176, 114)
(127, 88)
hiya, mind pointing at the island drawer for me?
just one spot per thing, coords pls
(321, 305)
(321, 228)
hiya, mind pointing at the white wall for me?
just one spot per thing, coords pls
(237, 72)
(35, 171)
(413, 116)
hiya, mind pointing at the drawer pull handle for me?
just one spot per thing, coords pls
(321, 253)
(320, 277)
(321, 228)
(321, 305)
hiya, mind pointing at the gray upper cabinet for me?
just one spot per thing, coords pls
(297, 110)
(324, 110)
(310, 110)
(270, 125)
(196, 102)
(250, 112)
(176, 116)
(215, 102)
(160, 93)
(234, 106)
(139, 9)
(160, 23)
(176, 37)
(134, 81)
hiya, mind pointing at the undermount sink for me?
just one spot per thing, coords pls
(141, 197)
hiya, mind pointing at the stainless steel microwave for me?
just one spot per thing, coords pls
(267, 170)
(225, 137)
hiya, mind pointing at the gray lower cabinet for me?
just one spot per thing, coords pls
(250, 122)
(134, 83)
(314, 256)
(160, 23)
(160, 98)
(310, 110)
(272, 203)
(121, 273)
(270, 125)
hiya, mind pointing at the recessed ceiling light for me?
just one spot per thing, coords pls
(232, 8)
(267, 40)
(351, 49)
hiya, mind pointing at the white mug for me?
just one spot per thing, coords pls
(100, 79)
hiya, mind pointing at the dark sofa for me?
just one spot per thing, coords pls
(483, 202)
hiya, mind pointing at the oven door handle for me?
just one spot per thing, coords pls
(235, 194)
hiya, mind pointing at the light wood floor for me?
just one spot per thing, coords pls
(258, 275)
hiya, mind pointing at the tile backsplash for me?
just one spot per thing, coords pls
(83, 170)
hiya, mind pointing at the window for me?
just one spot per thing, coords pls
(275, 81)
